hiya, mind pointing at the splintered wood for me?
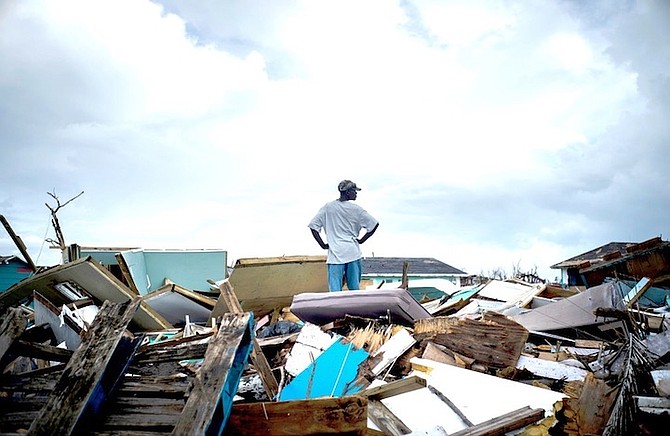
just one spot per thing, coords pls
(494, 340)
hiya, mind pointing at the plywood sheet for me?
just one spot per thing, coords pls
(263, 284)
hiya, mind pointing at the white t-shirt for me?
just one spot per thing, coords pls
(342, 222)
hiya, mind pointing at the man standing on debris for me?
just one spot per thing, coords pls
(342, 221)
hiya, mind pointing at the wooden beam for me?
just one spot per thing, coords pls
(348, 414)
(211, 397)
(12, 326)
(258, 359)
(125, 272)
(41, 351)
(451, 405)
(504, 423)
(19, 243)
(385, 419)
(638, 290)
(397, 387)
(405, 275)
(91, 373)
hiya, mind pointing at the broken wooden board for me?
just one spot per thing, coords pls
(438, 353)
(345, 415)
(400, 342)
(95, 280)
(263, 284)
(211, 396)
(504, 424)
(91, 373)
(23, 395)
(19, 243)
(495, 340)
(387, 390)
(595, 405)
(385, 420)
(12, 324)
(230, 303)
(640, 288)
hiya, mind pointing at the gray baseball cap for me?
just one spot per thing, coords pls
(346, 185)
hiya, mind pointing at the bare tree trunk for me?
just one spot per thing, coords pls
(59, 242)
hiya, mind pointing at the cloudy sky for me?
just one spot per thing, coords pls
(489, 134)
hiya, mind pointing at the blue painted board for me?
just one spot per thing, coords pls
(330, 375)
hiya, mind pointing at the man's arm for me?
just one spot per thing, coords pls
(317, 236)
(367, 235)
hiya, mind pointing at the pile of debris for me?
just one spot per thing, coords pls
(81, 352)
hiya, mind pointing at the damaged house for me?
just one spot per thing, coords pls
(100, 346)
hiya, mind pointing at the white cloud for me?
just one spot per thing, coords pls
(483, 132)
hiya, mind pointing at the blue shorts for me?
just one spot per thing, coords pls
(349, 272)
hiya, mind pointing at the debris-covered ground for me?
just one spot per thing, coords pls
(81, 352)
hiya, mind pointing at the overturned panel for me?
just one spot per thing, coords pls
(322, 308)
(175, 303)
(88, 275)
(575, 311)
(263, 284)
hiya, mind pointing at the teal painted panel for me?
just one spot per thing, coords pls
(188, 268)
(331, 374)
(138, 269)
(104, 257)
(13, 272)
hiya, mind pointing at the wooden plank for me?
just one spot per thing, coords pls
(392, 349)
(397, 387)
(160, 354)
(385, 419)
(12, 326)
(19, 243)
(209, 402)
(451, 405)
(229, 299)
(638, 290)
(278, 260)
(588, 343)
(125, 271)
(347, 414)
(92, 370)
(505, 423)
(595, 405)
(41, 351)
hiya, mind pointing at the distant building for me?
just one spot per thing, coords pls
(570, 267)
(13, 270)
(622, 260)
(426, 275)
